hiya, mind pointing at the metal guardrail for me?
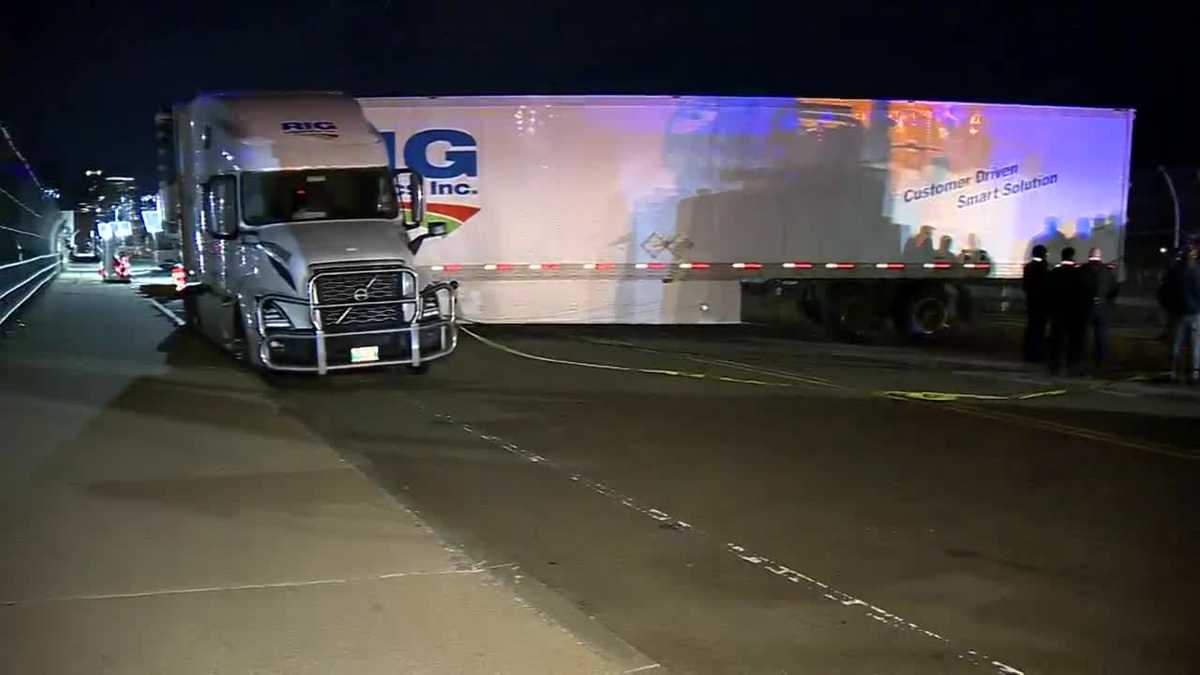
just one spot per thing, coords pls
(20, 280)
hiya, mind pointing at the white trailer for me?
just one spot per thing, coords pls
(681, 209)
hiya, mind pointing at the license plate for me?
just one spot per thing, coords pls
(364, 354)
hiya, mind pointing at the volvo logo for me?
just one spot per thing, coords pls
(361, 295)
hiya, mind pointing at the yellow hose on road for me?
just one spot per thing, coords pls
(943, 396)
(608, 366)
(934, 396)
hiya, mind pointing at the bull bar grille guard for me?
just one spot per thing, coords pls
(447, 326)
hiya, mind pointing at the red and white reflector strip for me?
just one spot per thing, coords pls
(748, 265)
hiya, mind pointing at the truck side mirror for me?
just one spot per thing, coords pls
(220, 207)
(415, 190)
(435, 229)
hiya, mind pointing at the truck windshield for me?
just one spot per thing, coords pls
(317, 194)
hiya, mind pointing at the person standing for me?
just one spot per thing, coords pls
(943, 252)
(919, 248)
(1067, 314)
(1184, 281)
(1100, 288)
(1033, 282)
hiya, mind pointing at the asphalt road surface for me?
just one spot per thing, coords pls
(724, 501)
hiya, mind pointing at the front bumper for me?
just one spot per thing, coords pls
(317, 350)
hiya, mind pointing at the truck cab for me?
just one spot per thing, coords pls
(297, 249)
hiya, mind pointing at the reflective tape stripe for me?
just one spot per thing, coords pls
(741, 265)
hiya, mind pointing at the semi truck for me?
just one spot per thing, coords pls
(298, 253)
(669, 209)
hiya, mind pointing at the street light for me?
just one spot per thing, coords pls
(1174, 200)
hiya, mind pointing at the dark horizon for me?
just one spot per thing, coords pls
(137, 60)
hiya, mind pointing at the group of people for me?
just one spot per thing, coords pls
(1179, 296)
(919, 248)
(1065, 303)
(1068, 301)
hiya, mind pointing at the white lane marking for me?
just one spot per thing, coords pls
(170, 314)
(639, 669)
(666, 520)
(251, 587)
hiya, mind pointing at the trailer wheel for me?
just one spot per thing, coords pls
(927, 313)
(849, 312)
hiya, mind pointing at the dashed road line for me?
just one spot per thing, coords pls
(665, 519)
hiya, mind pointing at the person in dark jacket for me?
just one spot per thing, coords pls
(1182, 287)
(1068, 314)
(1100, 289)
(1037, 306)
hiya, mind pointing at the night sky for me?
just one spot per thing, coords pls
(82, 80)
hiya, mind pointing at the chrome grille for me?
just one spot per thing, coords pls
(338, 288)
(360, 315)
(368, 287)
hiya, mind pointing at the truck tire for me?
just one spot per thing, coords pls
(849, 313)
(239, 346)
(927, 312)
